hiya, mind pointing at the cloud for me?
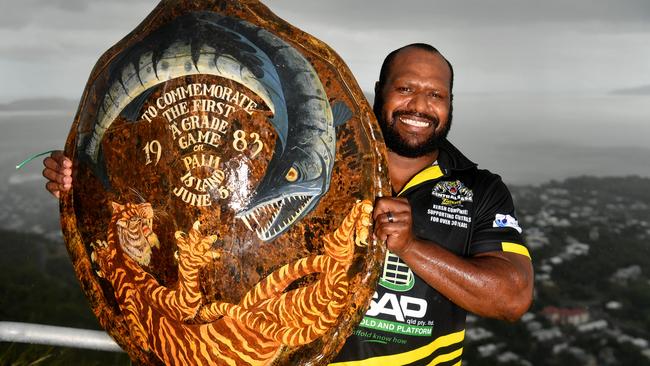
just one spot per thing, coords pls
(19, 14)
(44, 30)
(637, 90)
(506, 45)
(71, 14)
(427, 14)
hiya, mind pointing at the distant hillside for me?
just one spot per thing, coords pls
(558, 161)
(637, 90)
(39, 104)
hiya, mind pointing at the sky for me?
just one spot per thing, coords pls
(49, 46)
(534, 80)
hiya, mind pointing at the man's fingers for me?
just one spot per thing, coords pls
(57, 161)
(380, 233)
(66, 182)
(51, 163)
(58, 171)
(64, 166)
(54, 176)
(400, 221)
(391, 217)
(384, 230)
(389, 204)
(57, 181)
(51, 175)
(57, 155)
(53, 188)
(66, 163)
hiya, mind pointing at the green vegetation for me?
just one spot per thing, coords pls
(37, 285)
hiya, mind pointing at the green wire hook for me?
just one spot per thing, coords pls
(24, 162)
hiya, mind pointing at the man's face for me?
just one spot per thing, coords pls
(415, 115)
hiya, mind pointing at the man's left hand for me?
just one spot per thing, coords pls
(393, 223)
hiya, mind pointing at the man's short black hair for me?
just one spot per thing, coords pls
(385, 69)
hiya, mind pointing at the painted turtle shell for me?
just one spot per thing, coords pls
(225, 165)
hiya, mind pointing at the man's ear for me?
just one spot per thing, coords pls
(377, 88)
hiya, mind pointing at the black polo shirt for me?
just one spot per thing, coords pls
(467, 211)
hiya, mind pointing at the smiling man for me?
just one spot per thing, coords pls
(453, 239)
(454, 242)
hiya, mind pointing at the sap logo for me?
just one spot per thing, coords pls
(397, 306)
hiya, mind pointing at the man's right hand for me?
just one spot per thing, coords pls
(58, 171)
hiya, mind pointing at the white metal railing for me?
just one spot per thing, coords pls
(57, 336)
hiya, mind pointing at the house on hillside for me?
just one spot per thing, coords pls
(573, 316)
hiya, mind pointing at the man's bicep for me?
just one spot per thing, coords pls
(516, 273)
(520, 260)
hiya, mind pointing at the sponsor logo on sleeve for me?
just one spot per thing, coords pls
(506, 221)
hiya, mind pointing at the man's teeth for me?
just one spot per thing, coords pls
(412, 122)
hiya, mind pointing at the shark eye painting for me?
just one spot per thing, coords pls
(292, 174)
(225, 165)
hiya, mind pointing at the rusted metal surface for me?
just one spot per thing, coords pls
(225, 165)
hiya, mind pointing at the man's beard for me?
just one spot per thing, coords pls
(403, 146)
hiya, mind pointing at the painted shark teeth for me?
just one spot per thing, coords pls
(267, 229)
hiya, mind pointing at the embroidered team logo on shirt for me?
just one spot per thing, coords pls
(506, 221)
(452, 193)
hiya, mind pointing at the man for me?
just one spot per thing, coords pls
(455, 245)
(452, 224)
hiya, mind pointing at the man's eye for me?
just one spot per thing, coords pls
(403, 89)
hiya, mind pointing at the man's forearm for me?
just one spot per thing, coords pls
(496, 284)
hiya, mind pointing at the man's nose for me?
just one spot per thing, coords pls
(419, 102)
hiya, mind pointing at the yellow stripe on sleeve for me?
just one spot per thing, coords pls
(515, 248)
(414, 355)
(432, 172)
